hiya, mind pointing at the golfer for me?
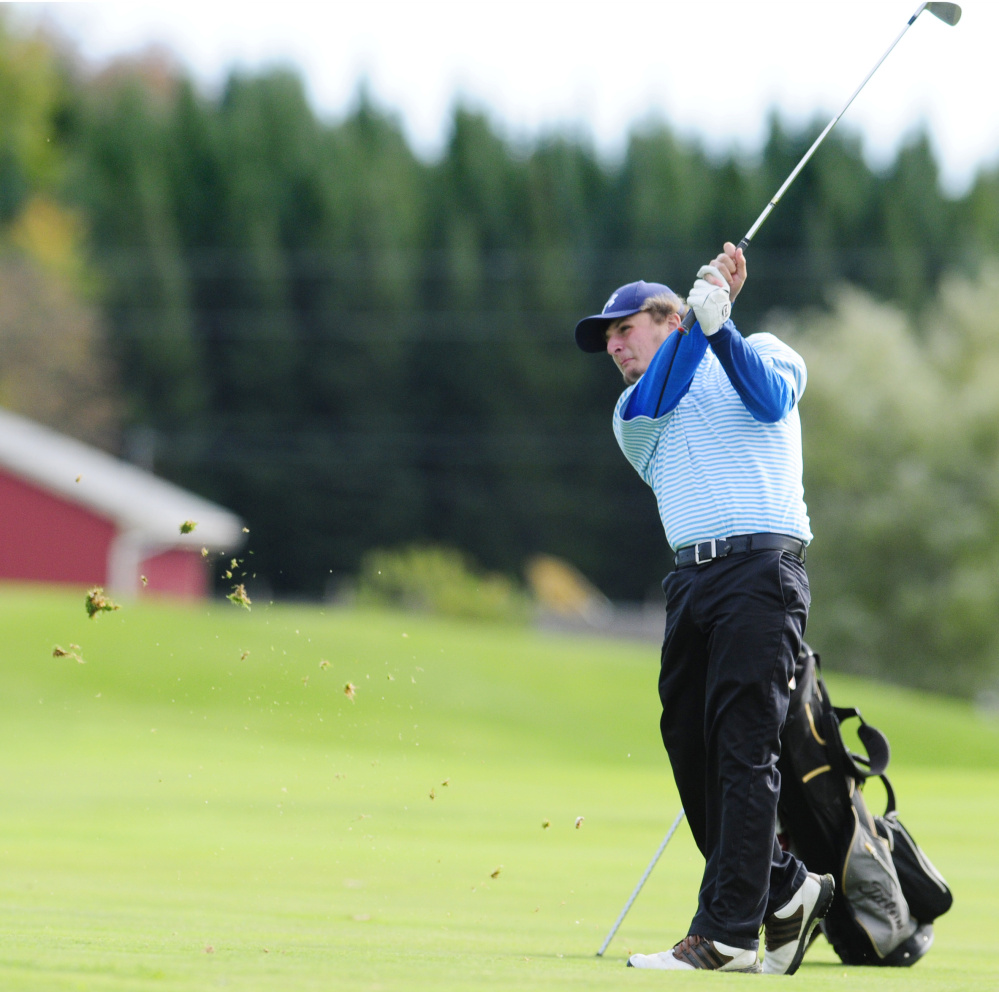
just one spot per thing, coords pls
(709, 420)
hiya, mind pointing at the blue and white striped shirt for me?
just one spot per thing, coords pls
(724, 456)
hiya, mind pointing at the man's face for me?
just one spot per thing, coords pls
(633, 341)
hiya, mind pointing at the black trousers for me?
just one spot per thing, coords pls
(733, 630)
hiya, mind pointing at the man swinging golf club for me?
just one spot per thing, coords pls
(710, 421)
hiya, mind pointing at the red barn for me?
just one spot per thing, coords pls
(70, 513)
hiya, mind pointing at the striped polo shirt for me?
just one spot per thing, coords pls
(716, 471)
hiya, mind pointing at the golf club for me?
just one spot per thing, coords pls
(949, 13)
(641, 882)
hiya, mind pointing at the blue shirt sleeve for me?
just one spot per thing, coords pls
(766, 394)
(668, 376)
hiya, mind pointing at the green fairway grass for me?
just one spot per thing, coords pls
(199, 805)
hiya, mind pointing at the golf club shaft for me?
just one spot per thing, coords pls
(690, 318)
(641, 882)
(744, 243)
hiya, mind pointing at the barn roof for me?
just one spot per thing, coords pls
(132, 498)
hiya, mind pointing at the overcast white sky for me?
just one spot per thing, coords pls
(713, 69)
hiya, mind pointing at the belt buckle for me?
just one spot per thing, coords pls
(698, 560)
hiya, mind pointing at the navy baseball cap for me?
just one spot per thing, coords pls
(624, 301)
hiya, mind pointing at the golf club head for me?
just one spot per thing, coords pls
(949, 13)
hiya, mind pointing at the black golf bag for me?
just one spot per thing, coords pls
(887, 891)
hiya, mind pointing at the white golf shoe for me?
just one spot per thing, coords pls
(695, 952)
(787, 930)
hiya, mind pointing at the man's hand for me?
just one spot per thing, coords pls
(731, 263)
(709, 299)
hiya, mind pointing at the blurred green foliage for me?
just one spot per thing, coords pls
(55, 363)
(901, 425)
(437, 580)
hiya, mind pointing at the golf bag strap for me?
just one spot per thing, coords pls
(889, 795)
(876, 744)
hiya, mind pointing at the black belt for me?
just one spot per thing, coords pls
(705, 551)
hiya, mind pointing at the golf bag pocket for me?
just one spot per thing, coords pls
(925, 889)
(869, 883)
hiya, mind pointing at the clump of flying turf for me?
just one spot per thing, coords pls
(239, 597)
(97, 602)
(73, 652)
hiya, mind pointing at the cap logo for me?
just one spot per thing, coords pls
(610, 302)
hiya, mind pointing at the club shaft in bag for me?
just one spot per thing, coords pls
(949, 13)
(641, 882)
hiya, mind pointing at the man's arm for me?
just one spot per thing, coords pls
(764, 391)
(668, 376)
(671, 371)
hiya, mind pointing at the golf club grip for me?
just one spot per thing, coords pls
(689, 318)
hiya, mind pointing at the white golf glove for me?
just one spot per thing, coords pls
(710, 303)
